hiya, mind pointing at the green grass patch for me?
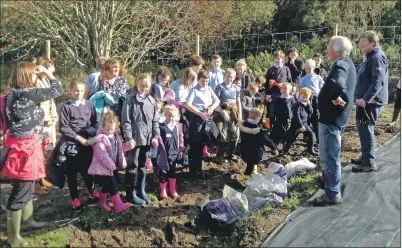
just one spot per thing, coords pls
(153, 197)
(48, 239)
(307, 183)
(94, 217)
(292, 202)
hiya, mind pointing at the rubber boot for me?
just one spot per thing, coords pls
(199, 171)
(172, 188)
(205, 151)
(286, 149)
(131, 191)
(13, 229)
(141, 190)
(119, 206)
(163, 194)
(395, 115)
(102, 203)
(27, 219)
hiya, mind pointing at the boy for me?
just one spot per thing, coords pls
(227, 115)
(217, 74)
(278, 73)
(314, 82)
(237, 81)
(301, 111)
(92, 81)
(254, 141)
(283, 117)
(319, 69)
(196, 62)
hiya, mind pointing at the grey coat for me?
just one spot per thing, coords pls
(139, 119)
(248, 102)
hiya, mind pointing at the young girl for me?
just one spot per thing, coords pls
(140, 130)
(78, 122)
(241, 69)
(162, 79)
(171, 148)
(108, 152)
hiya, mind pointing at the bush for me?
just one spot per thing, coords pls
(258, 65)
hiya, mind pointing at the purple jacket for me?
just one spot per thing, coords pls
(161, 158)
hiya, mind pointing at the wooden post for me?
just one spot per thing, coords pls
(47, 49)
(336, 29)
(197, 46)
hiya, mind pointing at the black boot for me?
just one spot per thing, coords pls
(131, 193)
(142, 175)
(286, 149)
(199, 170)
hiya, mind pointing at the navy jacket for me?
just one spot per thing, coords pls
(301, 114)
(296, 70)
(280, 75)
(284, 108)
(341, 82)
(372, 78)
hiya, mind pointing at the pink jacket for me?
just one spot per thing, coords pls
(102, 161)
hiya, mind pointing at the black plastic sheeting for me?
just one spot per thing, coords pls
(369, 217)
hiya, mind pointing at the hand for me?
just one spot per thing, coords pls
(307, 101)
(42, 70)
(303, 129)
(268, 98)
(154, 142)
(361, 103)
(180, 156)
(203, 116)
(209, 112)
(225, 116)
(130, 144)
(339, 101)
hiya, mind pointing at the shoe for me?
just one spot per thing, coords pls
(255, 170)
(275, 152)
(325, 201)
(163, 194)
(141, 190)
(358, 161)
(27, 219)
(118, 205)
(131, 196)
(313, 152)
(361, 168)
(77, 206)
(13, 229)
(205, 151)
(172, 188)
(102, 203)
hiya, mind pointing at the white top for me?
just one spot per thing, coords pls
(180, 92)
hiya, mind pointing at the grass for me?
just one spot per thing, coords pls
(94, 217)
(48, 239)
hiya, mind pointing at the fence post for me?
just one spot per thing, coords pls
(336, 29)
(47, 49)
(197, 45)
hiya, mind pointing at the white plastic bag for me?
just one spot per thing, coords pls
(300, 165)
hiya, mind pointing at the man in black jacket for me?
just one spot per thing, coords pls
(335, 106)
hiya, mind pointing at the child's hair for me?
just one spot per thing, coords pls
(109, 119)
(217, 57)
(30, 59)
(260, 80)
(21, 76)
(237, 78)
(253, 86)
(230, 70)
(75, 82)
(107, 68)
(188, 77)
(241, 63)
(203, 74)
(309, 66)
(196, 60)
(305, 91)
(171, 109)
(141, 77)
(293, 50)
(279, 53)
(158, 101)
(287, 86)
(163, 72)
(100, 62)
(318, 55)
(45, 62)
(255, 113)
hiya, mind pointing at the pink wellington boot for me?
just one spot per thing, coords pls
(172, 187)
(119, 206)
(96, 193)
(163, 190)
(205, 151)
(102, 202)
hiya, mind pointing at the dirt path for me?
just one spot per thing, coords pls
(177, 223)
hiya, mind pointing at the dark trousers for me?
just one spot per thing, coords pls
(249, 169)
(278, 132)
(271, 110)
(21, 194)
(397, 105)
(79, 164)
(171, 173)
(313, 121)
(136, 162)
(199, 134)
(294, 132)
(108, 184)
(196, 156)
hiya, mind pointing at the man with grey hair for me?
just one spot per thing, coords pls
(335, 106)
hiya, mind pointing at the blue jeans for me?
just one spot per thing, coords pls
(330, 158)
(366, 134)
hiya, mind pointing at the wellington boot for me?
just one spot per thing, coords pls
(13, 229)
(27, 219)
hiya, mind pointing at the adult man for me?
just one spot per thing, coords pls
(92, 81)
(335, 105)
(371, 94)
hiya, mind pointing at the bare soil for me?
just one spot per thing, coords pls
(171, 222)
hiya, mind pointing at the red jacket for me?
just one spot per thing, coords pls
(25, 159)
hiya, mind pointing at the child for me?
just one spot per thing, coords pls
(93, 78)
(295, 65)
(171, 148)
(196, 63)
(217, 74)
(301, 111)
(241, 69)
(151, 162)
(108, 155)
(254, 141)
(182, 86)
(162, 79)
(248, 99)
(201, 102)
(294, 90)
(260, 81)
(278, 73)
(283, 117)
(314, 82)
(319, 67)
(140, 130)
(78, 122)
(237, 81)
(227, 115)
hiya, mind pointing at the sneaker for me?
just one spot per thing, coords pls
(361, 168)
(357, 161)
(323, 201)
